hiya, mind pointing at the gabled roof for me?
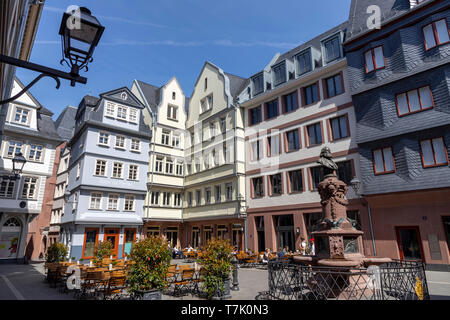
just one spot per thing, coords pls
(65, 124)
(361, 13)
(151, 94)
(116, 95)
(236, 83)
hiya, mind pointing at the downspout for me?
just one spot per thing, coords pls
(371, 229)
(152, 152)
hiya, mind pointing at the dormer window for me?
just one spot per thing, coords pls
(304, 63)
(122, 112)
(123, 96)
(132, 115)
(332, 49)
(258, 84)
(110, 108)
(21, 116)
(436, 34)
(279, 73)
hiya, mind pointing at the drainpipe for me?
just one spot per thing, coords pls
(152, 151)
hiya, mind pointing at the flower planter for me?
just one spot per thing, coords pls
(225, 294)
(148, 295)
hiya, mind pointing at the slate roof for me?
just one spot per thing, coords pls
(45, 125)
(390, 10)
(236, 84)
(65, 124)
(151, 94)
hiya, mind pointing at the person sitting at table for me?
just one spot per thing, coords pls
(280, 253)
(265, 257)
(189, 248)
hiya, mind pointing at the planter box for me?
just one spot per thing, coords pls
(225, 294)
(148, 295)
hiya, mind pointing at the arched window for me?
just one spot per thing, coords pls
(12, 222)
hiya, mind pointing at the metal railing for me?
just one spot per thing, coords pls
(397, 280)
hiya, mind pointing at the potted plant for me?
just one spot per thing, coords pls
(216, 261)
(56, 252)
(102, 250)
(147, 276)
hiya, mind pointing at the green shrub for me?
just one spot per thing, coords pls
(152, 260)
(56, 252)
(216, 260)
(103, 250)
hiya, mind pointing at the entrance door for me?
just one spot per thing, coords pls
(10, 238)
(112, 235)
(130, 238)
(409, 243)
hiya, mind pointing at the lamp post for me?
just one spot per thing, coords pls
(355, 183)
(80, 33)
(18, 163)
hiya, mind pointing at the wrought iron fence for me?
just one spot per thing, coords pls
(397, 280)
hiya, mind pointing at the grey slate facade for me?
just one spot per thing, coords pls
(408, 66)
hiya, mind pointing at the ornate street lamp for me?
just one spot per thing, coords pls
(80, 33)
(18, 164)
(356, 185)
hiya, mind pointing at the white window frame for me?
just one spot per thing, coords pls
(117, 139)
(21, 116)
(135, 143)
(132, 115)
(165, 137)
(179, 168)
(41, 152)
(136, 172)
(8, 185)
(97, 164)
(119, 169)
(122, 112)
(7, 155)
(127, 199)
(166, 198)
(110, 109)
(159, 164)
(177, 200)
(176, 141)
(155, 196)
(95, 201)
(172, 112)
(115, 200)
(169, 164)
(102, 135)
(27, 186)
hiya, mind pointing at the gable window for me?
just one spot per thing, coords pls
(122, 112)
(129, 203)
(272, 109)
(169, 166)
(206, 103)
(304, 62)
(339, 127)
(110, 109)
(275, 185)
(172, 112)
(383, 161)
(257, 187)
(113, 201)
(117, 170)
(279, 74)
(290, 102)
(257, 151)
(374, 59)
(314, 134)
(255, 115)
(436, 34)
(292, 140)
(316, 176)
(155, 198)
(135, 145)
(100, 168)
(120, 142)
(258, 84)
(345, 171)
(295, 181)
(14, 147)
(132, 172)
(165, 137)
(173, 95)
(434, 152)
(35, 153)
(332, 49)
(7, 188)
(29, 188)
(218, 193)
(414, 101)
(311, 94)
(132, 115)
(21, 116)
(95, 201)
(334, 86)
(103, 138)
(274, 145)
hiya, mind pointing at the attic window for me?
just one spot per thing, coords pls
(123, 96)
(173, 95)
(279, 74)
(206, 83)
(332, 48)
(304, 64)
(258, 85)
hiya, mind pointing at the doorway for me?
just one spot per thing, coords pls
(10, 238)
(112, 235)
(284, 228)
(409, 243)
(130, 238)
(172, 236)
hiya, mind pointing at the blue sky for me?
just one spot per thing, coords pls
(155, 40)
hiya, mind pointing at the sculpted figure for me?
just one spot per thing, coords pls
(326, 160)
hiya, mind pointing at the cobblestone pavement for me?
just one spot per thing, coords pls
(26, 282)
